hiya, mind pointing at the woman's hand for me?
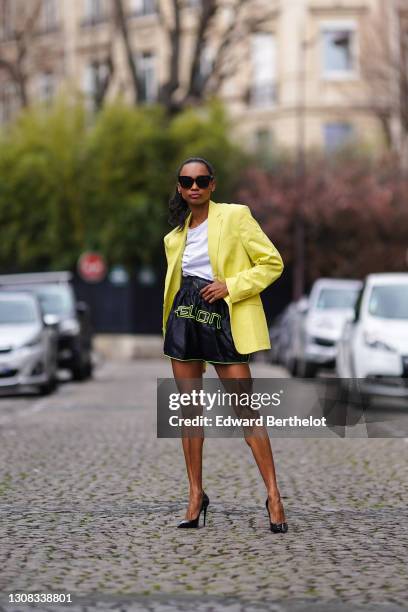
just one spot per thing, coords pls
(214, 291)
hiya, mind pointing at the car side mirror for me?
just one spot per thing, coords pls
(82, 307)
(303, 306)
(349, 317)
(50, 320)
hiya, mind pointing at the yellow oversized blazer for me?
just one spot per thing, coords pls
(243, 257)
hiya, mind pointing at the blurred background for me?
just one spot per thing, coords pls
(301, 105)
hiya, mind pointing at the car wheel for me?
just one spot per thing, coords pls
(48, 387)
(359, 399)
(293, 366)
(307, 369)
(81, 370)
(89, 368)
(79, 373)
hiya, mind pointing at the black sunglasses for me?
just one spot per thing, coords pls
(201, 181)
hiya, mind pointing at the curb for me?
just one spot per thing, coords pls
(128, 346)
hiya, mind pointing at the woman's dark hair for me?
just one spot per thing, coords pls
(178, 207)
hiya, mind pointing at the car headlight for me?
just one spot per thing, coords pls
(70, 327)
(323, 324)
(316, 335)
(310, 337)
(374, 342)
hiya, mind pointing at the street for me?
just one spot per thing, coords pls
(90, 500)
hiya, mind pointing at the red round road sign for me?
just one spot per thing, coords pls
(92, 267)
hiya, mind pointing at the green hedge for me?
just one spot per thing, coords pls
(70, 181)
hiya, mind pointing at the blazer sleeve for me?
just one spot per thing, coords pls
(267, 262)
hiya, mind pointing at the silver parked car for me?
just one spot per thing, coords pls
(284, 334)
(56, 295)
(330, 303)
(28, 343)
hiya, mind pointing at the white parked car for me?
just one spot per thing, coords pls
(28, 343)
(282, 331)
(331, 300)
(374, 344)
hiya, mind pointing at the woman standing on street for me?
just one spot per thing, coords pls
(219, 260)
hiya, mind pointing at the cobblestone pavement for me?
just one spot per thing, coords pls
(90, 498)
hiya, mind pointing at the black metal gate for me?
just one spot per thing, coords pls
(132, 308)
(136, 307)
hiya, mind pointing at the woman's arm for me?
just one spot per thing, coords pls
(268, 264)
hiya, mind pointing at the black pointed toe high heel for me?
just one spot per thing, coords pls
(276, 527)
(188, 524)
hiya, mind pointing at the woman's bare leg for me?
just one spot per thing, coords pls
(183, 372)
(260, 446)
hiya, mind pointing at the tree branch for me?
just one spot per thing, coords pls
(172, 83)
(24, 29)
(121, 22)
(208, 11)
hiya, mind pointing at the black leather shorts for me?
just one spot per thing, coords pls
(198, 330)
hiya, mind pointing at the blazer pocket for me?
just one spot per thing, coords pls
(252, 301)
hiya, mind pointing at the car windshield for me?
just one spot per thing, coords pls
(17, 311)
(337, 298)
(389, 302)
(54, 299)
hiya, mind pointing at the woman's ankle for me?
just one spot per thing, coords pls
(274, 495)
(196, 492)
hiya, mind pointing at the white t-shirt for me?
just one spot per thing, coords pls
(195, 261)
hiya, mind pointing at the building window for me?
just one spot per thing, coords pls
(337, 135)
(147, 74)
(7, 19)
(339, 51)
(49, 15)
(95, 76)
(263, 83)
(142, 7)
(94, 12)
(46, 87)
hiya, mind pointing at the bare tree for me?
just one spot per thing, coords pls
(216, 28)
(207, 27)
(119, 16)
(13, 62)
(104, 81)
(385, 68)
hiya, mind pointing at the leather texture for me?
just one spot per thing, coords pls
(199, 330)
(241, 255)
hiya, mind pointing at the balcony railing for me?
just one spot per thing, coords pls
(50, 28)
(263, 94)
(94, 20)
(148, 7)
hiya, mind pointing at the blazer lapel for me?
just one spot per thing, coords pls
(179, 242)
(214, 232)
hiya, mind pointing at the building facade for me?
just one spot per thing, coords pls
(291, 72)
